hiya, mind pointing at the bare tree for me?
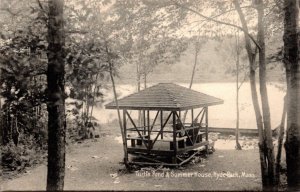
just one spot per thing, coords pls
(238, 86)
(197, 49)
(292, 66)
(110, 63)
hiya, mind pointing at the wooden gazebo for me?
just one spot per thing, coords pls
(171, 137)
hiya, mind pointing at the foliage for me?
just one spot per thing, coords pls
(101, 36)
(23, 62)
(22, 77)
(151, 30)
(17, 158)
(23, 58)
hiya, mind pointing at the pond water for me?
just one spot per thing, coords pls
(220, 115)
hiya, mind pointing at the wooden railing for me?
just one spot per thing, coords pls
(192, 136)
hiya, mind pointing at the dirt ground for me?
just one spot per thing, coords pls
(95, 165)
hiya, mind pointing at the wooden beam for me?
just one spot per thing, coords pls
(167, 153)
(144, 121)
(189, 158)
(147, 163)
(165, 108)
(179, 158)
(231, 131)
(125, 134)
(148, 129)
(167, 119)
(206, 127)
(159, 133)
(204, 113)
(153, 131)
(179, 115)
(148, 158)
(184, 129)
(154, 121)
(174, 137)
(192, 111)
(136, 129)
(161, 124)
(199, 113)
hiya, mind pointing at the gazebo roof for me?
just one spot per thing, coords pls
(165, 96)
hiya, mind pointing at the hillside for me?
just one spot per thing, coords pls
(215, 63)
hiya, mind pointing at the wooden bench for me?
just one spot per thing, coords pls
(180, 142)
(200, 137)
(139, 140)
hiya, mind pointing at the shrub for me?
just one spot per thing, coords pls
(17, 157)
(12, 157)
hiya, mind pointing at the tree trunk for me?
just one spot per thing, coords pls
(87, 100)
(291, 61)
(280, 141)
(237, 132)
(269, 148)
(193, 74)
(118, 110)
(15, 131)
(145, 80)
(138, 80)
(94, 96)
(5, 124)
(56, 103)
(251, 56)
(1, 116)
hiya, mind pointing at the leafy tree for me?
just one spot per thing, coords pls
(151, 29)
(23, 59)
(23, 73)
(87, 73)
(255, 8)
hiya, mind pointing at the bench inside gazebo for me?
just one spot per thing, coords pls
(172, 126)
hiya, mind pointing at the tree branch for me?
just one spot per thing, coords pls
(41, 6)
(220, 14)
(245, 78)
(220, 22)
(213, 17)
(76, 32)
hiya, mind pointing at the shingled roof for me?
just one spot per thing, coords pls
(165, 96)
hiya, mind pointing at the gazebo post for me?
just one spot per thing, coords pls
(125, 135)
(194, 135)
(192, 110)
(206, 126)
(144, 121)
(174, 138)
(161, 124)
(148, 126)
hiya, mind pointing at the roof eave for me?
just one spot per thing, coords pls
(164, 108)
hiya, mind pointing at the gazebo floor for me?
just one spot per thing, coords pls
(162, 149)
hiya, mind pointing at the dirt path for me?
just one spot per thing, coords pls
(94, 165)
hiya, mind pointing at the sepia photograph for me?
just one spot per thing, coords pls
(149, 95)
